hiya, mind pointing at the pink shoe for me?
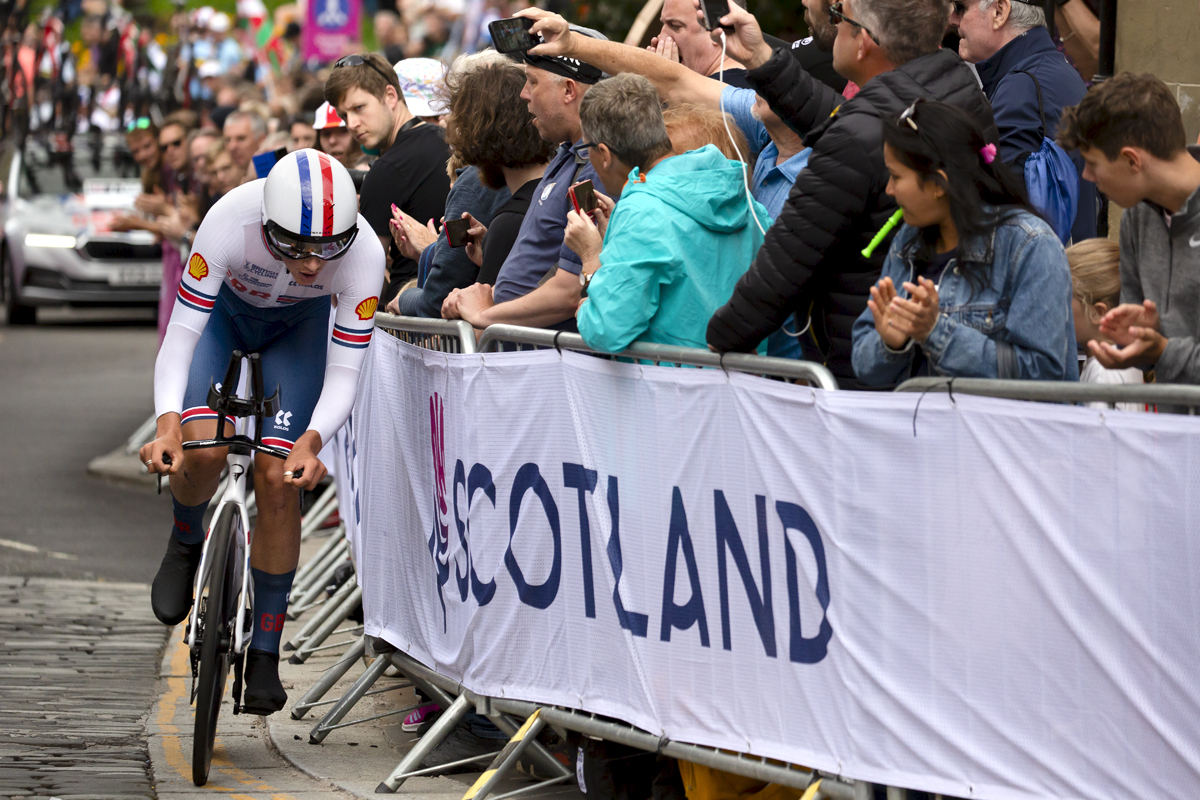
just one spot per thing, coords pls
(417, 716)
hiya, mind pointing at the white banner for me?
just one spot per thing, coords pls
(981, 598)
(343, 465)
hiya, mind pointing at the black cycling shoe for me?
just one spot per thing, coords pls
(171, 594)
(264, 693)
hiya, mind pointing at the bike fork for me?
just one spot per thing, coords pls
(235, 494)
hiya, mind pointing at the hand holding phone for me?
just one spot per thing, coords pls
(583, 197)
(713, 10)
(512, 35)
(456, 232)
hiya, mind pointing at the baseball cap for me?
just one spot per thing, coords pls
(571, 68)
(420, 82)
(327, 117)
(816, 62)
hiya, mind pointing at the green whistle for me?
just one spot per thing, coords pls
(888, 227)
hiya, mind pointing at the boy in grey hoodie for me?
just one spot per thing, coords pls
(1130, 133)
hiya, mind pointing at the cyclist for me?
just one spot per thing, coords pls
(265, 263)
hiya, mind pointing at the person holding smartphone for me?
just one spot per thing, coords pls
(664, 262)
(538, 282)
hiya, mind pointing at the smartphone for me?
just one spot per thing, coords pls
(583, 197)
(713, 11)
(456, 232)
(512, 35)
(263, 162)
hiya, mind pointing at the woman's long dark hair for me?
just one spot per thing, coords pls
(946, 138)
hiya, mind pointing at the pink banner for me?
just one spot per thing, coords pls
(332, 29)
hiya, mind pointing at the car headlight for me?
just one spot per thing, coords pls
(48, 240)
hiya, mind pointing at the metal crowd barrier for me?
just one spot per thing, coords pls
(1154, 394)
(524, 741)
(787, 368)
(445, 336)
(442, 335)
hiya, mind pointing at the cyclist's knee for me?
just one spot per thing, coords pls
(269, 472)
(202, 465)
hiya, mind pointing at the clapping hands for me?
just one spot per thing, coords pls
(1136, 341)
(898, 319)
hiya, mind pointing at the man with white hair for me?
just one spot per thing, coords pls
(1027, 81)
(244, 132)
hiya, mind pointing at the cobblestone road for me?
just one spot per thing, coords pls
(79, 664)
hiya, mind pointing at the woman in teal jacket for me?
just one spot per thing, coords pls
(676, 243)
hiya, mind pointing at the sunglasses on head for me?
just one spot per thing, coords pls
(139, 124)
(836, 15)
(358, 60)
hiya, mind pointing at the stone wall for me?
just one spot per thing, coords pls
(1163, 37)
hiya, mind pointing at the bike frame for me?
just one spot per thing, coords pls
(235, 494)
(241, 450)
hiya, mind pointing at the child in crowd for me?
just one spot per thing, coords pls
(975, 284)
(1096, 285)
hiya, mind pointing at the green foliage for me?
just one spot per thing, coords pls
(614, 18)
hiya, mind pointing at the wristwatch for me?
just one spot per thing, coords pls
(585, 278)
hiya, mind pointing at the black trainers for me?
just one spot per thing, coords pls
(459, 744)
(264, 693)
(171, 594)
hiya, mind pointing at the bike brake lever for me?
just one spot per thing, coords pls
(166, 459)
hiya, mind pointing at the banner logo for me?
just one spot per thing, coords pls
(197, 267)
(366, 309)
(439, 538)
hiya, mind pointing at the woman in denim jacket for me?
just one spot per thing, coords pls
(985, 290)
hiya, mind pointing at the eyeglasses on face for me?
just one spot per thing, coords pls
(836, 15)
(169, 145)
(358, 60)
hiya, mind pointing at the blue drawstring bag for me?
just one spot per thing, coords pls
(1051, 179)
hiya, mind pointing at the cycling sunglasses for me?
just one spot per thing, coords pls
(356, 60)
(836, 15)
(290, 246)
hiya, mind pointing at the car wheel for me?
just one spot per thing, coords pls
(17, 313)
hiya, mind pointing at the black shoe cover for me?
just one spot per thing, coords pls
(171, 594)
(264, 693)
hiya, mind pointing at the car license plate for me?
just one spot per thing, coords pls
(138, 275)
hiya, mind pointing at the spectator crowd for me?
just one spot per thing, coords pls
(722, 190)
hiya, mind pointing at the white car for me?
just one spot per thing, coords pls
(55, 211)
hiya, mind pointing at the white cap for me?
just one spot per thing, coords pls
(220, 22)
(421, 82)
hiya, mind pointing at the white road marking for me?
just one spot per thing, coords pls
(28, 548)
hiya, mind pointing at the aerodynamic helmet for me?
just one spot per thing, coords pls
(309, 207)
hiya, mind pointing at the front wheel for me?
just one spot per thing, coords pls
(216, 642)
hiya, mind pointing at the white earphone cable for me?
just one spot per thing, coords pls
(736, 149)
(745, 174)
